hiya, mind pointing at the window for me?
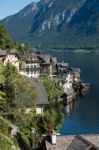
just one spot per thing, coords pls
(34, 72)
(32, 69)
(34, 66)
(31, 72)
(27, 66)
(27, 72)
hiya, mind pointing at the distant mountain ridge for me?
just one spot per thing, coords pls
(57, 24)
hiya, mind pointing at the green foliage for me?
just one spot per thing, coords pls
(1, 72)
(24, 135)
(46, 123)
(52, 88)
(25, 93)
(53, 69)
(2, 98)
(4, 127)
(20, 47)
(4, 144)
(52, 118)
(5, 41)
(2, 94)
(10, 72)
(18, 89)
(23, 121)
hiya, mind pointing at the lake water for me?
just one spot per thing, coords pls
(84, 115)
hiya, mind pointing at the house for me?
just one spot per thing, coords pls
(42, 99)
(68, 96)
(30, 67)
(84, 142)
(76, 72)
(3, 54)
(54, 60)
(13, 58)
(9, 55)
(35, 65)
(46, 65)
(61, 68)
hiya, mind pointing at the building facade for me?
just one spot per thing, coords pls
(9, 55)
(36, 65)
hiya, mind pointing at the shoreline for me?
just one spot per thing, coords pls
(72, 51)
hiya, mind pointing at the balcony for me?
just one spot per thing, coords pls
(33, 69)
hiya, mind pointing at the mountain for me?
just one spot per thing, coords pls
(57, 24)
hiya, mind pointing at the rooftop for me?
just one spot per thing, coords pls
(54, 59)
(62, 143)
(84, 142)
(76, 69)
(47, 59)
(42, 96)
(4, 52)
(63, 64)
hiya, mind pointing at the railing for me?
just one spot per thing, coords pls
(33, 69)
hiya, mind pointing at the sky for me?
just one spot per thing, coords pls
(10, 7)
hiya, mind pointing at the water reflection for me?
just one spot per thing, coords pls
(72, 106)
(83, 114)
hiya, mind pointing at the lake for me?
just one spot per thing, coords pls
(83, 117)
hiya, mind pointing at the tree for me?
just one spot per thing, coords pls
(53, 89)
(2, 94)
(1, 72)
(5, 41)
(10, 72)
(2, 98)
(18, 89)
(25, 93)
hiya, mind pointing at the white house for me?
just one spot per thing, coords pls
(31, 66)
(9, 55)
(12, 57)
(35, 65)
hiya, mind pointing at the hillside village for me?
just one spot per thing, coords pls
(32, 88)
(31, 65)
(28, 70)
(34, 66)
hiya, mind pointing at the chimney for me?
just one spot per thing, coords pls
(53, 138)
